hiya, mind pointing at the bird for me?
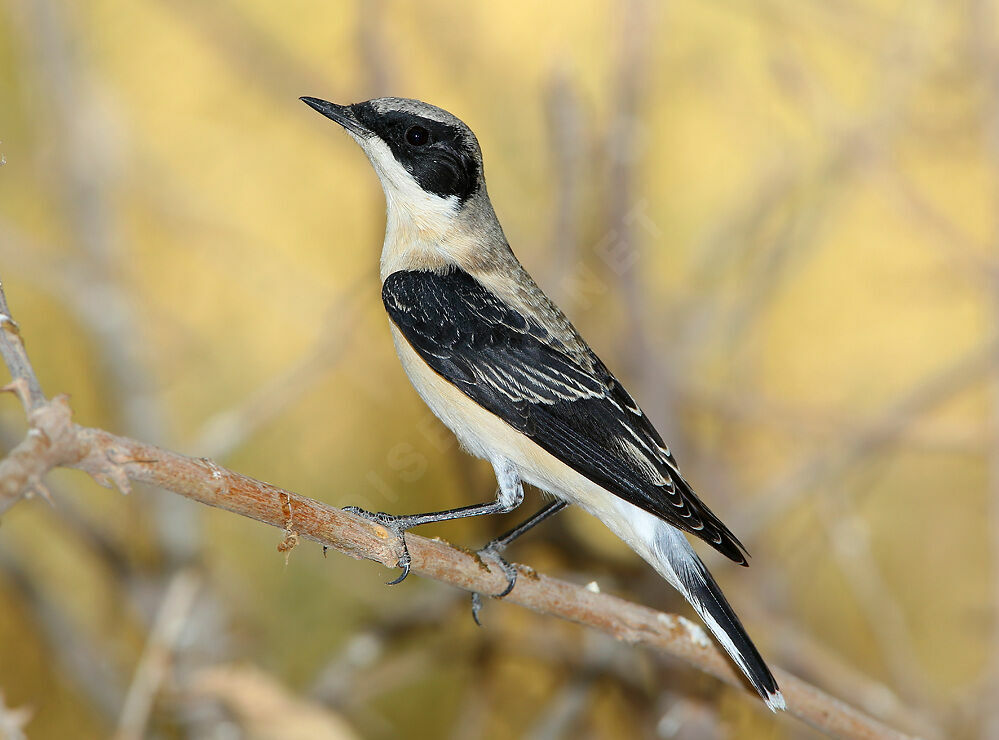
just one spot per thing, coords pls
(501, 366)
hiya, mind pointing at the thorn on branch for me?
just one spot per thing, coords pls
(19, 387)
(8, 324)
(112, 474)
(37, 486)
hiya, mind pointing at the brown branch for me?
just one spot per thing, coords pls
(112, 459)
(50, 442)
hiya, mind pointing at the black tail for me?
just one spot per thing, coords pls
(668, 551)
(709, 602)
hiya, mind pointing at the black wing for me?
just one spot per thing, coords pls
(571, 406)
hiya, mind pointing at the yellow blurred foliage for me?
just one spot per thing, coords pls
(814, 217)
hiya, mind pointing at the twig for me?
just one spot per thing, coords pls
(11, 345)
(112, 459)
(50, 442)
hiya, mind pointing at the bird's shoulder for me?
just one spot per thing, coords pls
(518, 342)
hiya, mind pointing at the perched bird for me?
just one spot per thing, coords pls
(504, 369)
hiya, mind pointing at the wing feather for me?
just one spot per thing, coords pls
(571, 406)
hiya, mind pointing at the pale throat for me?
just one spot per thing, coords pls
(419, 225)
(422, 230)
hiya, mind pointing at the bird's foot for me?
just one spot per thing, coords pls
(397, 526)
(494, 549)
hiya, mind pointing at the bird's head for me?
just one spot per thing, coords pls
(429, 162)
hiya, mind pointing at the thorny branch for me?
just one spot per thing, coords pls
(12, 346)
(54, 440)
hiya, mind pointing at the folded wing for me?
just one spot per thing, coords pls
(571, 406)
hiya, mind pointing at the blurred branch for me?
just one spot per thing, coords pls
(112, 459)
(79, 658)
(12, 721)
(157, 655)
(869, 439)
(850, 544)
(983, 48)
(622, 145)
(261, 707)
(807, 657)
(957, 245)
(86, 132)
(826, 425)
(227, 430)
(567, 142)
(373, 53)
(562, 717)
(341, 681)
(255, 54)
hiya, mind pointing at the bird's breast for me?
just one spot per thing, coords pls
(479, 431)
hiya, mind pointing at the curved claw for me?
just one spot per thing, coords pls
(508, 568)
(402, 577)
(404, 562)
(390, 523)
(511, 576)
(511, 580)
(476, 607)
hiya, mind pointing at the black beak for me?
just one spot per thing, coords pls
(342, 114)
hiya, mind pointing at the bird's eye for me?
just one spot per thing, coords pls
(417, 135)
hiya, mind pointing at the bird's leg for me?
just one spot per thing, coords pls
(498, 545)
(509, 496)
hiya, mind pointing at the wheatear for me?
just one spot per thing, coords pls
(504, 369)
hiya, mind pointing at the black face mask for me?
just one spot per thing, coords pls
(434, 153)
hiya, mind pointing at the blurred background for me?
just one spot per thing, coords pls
(776, 222)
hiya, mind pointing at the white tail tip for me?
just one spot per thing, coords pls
(775, 701)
